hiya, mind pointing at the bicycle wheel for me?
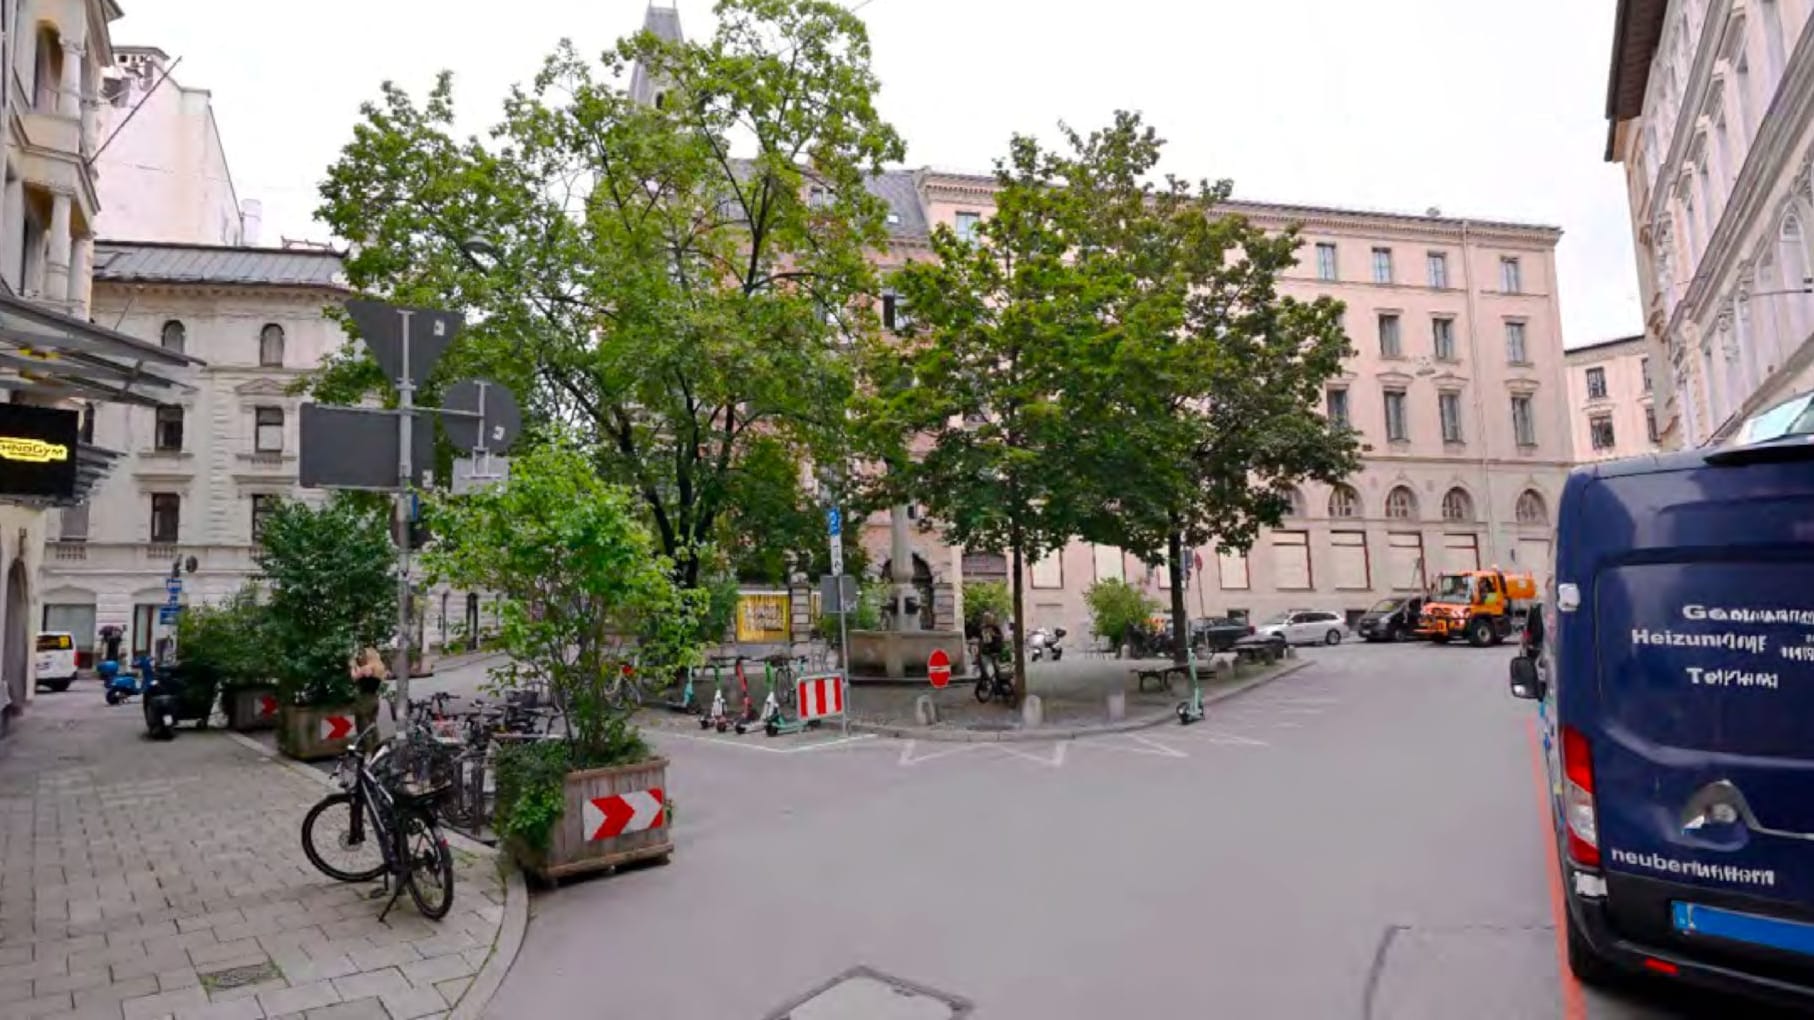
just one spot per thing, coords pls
(431, 865)
(334, 830)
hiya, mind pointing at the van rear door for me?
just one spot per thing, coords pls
(1704, 755)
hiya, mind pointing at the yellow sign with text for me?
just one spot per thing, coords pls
(762, 617)
(34, 451)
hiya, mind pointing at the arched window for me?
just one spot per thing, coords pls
(1344, 502)
(1530, 508)
(270, 346)
(1796, 275)
(1401, 504)
(174, 336)
(1294, 501)
(1457, 505)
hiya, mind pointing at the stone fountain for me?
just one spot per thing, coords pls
(899, 650)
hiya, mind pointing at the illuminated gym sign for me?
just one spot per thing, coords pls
(35, 451)
(38, 451)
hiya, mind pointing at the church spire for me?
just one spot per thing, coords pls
(664, 22)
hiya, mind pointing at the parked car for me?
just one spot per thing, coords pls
(1306, 627)
(1390, 619)
(56, 659)
(1218, 633)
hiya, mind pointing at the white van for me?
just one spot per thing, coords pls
(56, 659)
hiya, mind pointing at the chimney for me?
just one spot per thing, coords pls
(251, 215)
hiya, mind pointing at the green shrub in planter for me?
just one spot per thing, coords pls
(332, 578)
(583, 592)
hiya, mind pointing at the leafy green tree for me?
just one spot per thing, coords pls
(985, 597)
(684, 309)
(971, 410)
(1201, 390)
(584, 592)
(1117, 609)
(332, 576)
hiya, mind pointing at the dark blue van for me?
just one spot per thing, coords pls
(1676, 688)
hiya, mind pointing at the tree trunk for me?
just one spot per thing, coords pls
(1174, 565)
(1020, 630)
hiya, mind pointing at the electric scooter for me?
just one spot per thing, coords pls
(716, 716)
(687, 702)
(1191, 711)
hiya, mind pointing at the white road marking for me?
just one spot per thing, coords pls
(909, 758)
(1224, 738)
(1055, 759)
(753, 742)
(1151, 747)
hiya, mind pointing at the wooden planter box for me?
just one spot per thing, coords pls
(315, 732)
(623, 797)
(250, 708)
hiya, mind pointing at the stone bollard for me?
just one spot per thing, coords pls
(924, 711)
(1117, 706)
(1031, 713)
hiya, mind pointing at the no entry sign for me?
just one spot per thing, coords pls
(938, 667)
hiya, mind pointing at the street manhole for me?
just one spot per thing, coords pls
(239, 977)
(864, 994)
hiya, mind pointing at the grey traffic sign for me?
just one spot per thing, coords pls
(356, 448)
(831, 587)
(385, 328)
(482, 415)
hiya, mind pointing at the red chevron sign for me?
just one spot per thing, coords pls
(636, 811)
(336, 727)
(819, 696)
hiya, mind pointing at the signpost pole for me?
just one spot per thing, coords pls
(405, 420)
(836, 520)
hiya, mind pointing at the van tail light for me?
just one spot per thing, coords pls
(1578, 799)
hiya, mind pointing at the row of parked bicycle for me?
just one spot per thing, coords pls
(396, 794)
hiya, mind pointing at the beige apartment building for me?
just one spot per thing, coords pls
(1612, 397)
(1710, 110)
(1456, 385)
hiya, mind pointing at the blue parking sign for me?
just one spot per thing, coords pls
(834, 522)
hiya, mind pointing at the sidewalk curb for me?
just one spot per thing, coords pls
(490, 977)
(511, 930)
(1145, 722)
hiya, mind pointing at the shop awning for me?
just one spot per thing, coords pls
(47, 355)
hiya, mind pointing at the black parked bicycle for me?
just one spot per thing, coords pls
(378, 828)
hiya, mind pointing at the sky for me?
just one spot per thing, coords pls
(1479, 109)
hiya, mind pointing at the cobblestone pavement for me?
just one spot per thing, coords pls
(142, 880)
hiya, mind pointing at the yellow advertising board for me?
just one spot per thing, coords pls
(762, 617)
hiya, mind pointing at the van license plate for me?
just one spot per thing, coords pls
(1791, 936)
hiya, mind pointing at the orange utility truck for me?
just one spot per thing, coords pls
(1484, 606)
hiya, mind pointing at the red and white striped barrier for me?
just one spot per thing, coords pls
(819, 697)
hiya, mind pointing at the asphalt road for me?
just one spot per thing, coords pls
(1361, 839)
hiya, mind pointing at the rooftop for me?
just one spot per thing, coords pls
(161, 262)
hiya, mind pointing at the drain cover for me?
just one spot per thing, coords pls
(239, 977)
(864, 994)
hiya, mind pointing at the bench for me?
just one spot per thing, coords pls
(1262, 652)
(1163, 676)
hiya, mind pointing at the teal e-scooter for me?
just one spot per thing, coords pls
(1191, 711)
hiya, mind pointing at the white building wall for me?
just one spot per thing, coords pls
(165, 174)
(217, 470)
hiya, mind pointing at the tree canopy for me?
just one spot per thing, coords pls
(683, 309)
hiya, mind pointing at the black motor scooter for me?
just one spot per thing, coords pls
(173, 694)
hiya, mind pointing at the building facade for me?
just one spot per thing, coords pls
(1711, 114)
(178, 265)
(1613, 399)
(51, 353)
(1456, 386)
(165, 169)
(198, 472)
